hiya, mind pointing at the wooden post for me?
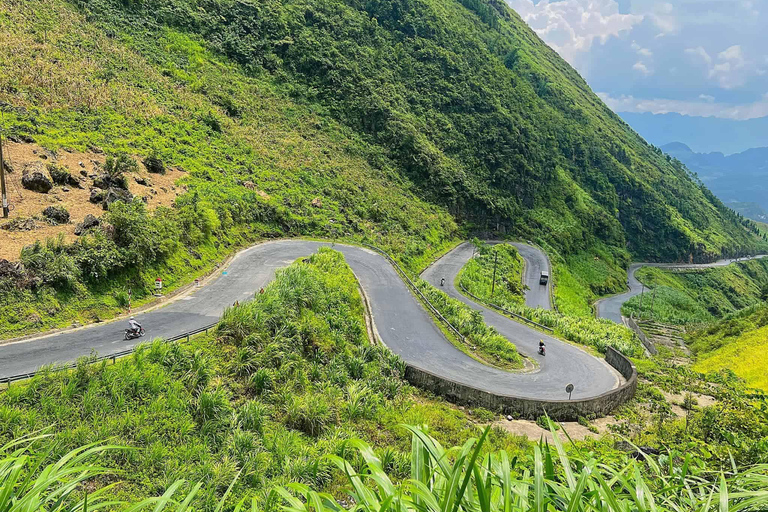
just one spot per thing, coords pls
(3, 193)
(493, 285)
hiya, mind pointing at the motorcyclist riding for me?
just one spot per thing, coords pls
(135, 326)
(541, 347)
(442, 282)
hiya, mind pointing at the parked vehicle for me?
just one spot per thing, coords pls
(544, 278)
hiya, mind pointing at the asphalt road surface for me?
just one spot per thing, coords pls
(610, 307)
(564, 363)
(536, 260)
(402, 323)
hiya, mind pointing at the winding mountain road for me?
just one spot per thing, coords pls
(402, 324)
(610, 307)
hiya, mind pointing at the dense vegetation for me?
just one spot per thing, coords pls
(699, 296)
(477, 278)
(286, 379)
(339, 119)
(280, 168)
(739, 343)
(279, 393)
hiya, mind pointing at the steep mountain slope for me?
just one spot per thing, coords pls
(472, 106)
(344, 118)
(740, 180)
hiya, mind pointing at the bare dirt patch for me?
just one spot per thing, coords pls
(28, 204)
(677, 399)
(576, 431)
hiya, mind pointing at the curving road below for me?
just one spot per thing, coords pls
(564, 363)
(610, 307)
(402, 324)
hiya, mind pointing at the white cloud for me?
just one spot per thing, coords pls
(572, 26)
(642, 68)
(707, 98)
(704, 108)
(701, 53)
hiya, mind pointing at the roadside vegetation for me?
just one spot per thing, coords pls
(476, 278)
(701, 295)
(284, 380)
(481, 341)
(288, 387)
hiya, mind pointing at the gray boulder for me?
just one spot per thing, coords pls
(89, 222)
(97, 196)
(116, 194)
(56, 214)
(37, 182)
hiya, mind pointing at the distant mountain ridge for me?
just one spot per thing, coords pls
(739, 180)
(701, 134)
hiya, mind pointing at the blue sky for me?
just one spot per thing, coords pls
(693, 57)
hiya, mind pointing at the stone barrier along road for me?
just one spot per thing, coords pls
(529, 408)
(564, 363)
(610, 307)
(402, 324)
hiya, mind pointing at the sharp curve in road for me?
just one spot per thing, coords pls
(402, 324)
(610, 307)
(564, 363)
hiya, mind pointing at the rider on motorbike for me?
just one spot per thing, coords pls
(135, 326)
(442, 282)
(541, 345)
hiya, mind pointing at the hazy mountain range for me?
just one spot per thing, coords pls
(701, 134)
(740, 180)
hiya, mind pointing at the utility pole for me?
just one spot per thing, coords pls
(2, 181)
(493, 285)
(653, 301)
(642, 293)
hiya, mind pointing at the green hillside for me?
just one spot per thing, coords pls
(389, 120)
(468, 103)
(737, 344)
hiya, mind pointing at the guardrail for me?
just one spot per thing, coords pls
(114, 356)
(506, 311)
(416, 290)
(649, 346)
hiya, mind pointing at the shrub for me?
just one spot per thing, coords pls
(252, 416)
(309, 413)
(212, 405)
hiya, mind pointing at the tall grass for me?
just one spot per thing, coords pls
(468, 479)
(28, 482)
(286, 379)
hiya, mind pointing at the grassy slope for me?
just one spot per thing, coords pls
(72, 85)
(737, 343)
(745, 355)
(701, 296)
(537, 142)
(286, 379)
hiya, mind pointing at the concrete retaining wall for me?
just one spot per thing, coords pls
(561, 410)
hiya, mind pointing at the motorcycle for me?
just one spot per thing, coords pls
(130, 334)
(542, 350)
(442, 282)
